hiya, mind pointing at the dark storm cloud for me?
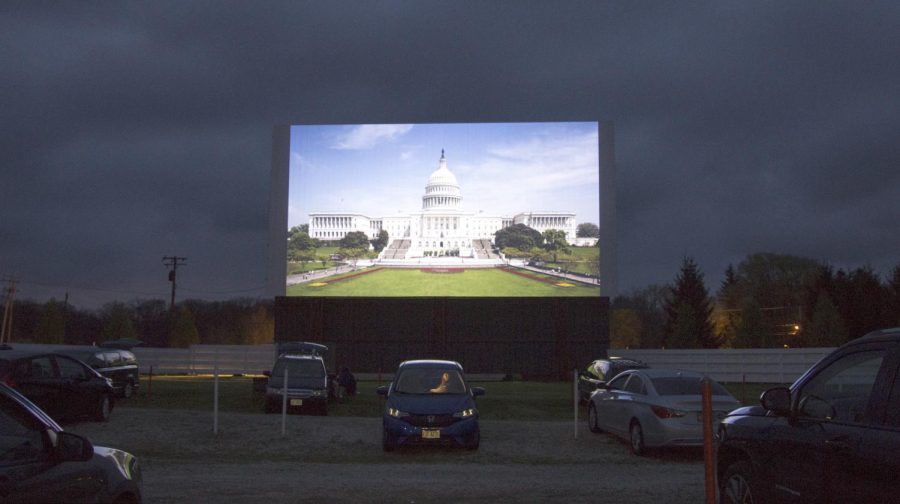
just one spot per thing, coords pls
(133, 131)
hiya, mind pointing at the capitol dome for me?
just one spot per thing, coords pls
(442, 190)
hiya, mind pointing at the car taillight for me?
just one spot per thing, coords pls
(662, 412)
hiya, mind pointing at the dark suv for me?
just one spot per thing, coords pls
(308, 384)
(833, 436)
(601, 371)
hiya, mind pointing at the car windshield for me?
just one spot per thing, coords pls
(430, 381)
(299, 368)
(683, 385)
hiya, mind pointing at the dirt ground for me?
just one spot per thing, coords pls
(340, 460)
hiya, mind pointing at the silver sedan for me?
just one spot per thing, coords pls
(656, 408)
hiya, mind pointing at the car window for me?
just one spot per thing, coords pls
(128, 357)
(299, 368)
(36, 368)
(69, 368)
(21, 438)
(841, 391)
(430, 381)
(619, 382)
(636, 385)
(113, 359)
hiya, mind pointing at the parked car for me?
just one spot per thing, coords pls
(120, 366)
(40, 462)
(597, 373)
(833, 436)
(429, 402)
(64, 387)
(307, 387)
(656, 408)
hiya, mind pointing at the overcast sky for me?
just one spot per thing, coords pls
(380, 170)
(134, 130)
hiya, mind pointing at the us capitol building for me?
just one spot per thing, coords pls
(441, 228)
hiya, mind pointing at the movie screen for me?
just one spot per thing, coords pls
(448, 210)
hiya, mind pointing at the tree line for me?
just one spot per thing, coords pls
(237, 321)
(768, 300)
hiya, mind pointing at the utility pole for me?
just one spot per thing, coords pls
(6, 330)
(173, 262)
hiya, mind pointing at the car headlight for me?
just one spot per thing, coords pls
(397, 413)
(466, 413)
(319, 393)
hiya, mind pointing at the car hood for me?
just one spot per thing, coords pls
(425, 404)
(749, 411)
(122, 471)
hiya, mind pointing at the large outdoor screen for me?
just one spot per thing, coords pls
(448, 210)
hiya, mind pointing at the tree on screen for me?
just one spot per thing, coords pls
(355, 240)
(587, 230)
(518, 236)
(380, 241)
(555, 241)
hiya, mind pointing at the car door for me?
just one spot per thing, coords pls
(878, 456)
(79, 386)
(818, 446)
(36, 379)
(609, 407)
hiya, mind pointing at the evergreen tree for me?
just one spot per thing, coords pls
(689, 310)
(751, 328)
(827, 329)
(728, 303)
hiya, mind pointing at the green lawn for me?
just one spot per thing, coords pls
(513, 400)
(582, 255)
(413, 282)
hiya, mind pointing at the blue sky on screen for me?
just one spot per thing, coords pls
(502, 168)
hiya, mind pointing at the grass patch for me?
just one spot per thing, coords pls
(414, 282)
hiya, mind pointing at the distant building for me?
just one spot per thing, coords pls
(441, 227)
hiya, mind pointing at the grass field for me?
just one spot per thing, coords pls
(515, 400)
(582, 255)
(415, 282)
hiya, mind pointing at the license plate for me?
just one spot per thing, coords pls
(296, 402)
(431, 434)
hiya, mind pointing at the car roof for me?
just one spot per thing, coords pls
(890, 334)
(665, 373)
(300, 357)
(623, 360)
(431, 363)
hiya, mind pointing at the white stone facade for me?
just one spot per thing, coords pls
(442, 227)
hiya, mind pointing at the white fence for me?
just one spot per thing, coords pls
(775, 365)
(769, 365)
(203, 359)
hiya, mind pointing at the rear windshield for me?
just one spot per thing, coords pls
(683, 385)
(299, 368)
(430, 381)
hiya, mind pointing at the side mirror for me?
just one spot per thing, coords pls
(382, 390)
(777, 400)
(478, 391)
(70, 447)
(267, 373)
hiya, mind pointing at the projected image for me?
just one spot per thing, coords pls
(486, 209)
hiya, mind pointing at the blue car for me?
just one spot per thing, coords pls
(429, 402)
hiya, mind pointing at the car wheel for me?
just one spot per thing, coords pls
(474, 440)
(637, 439)
(387, 441)
(128, 390)
(104, 407)
(593, 423)
(735, 485)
